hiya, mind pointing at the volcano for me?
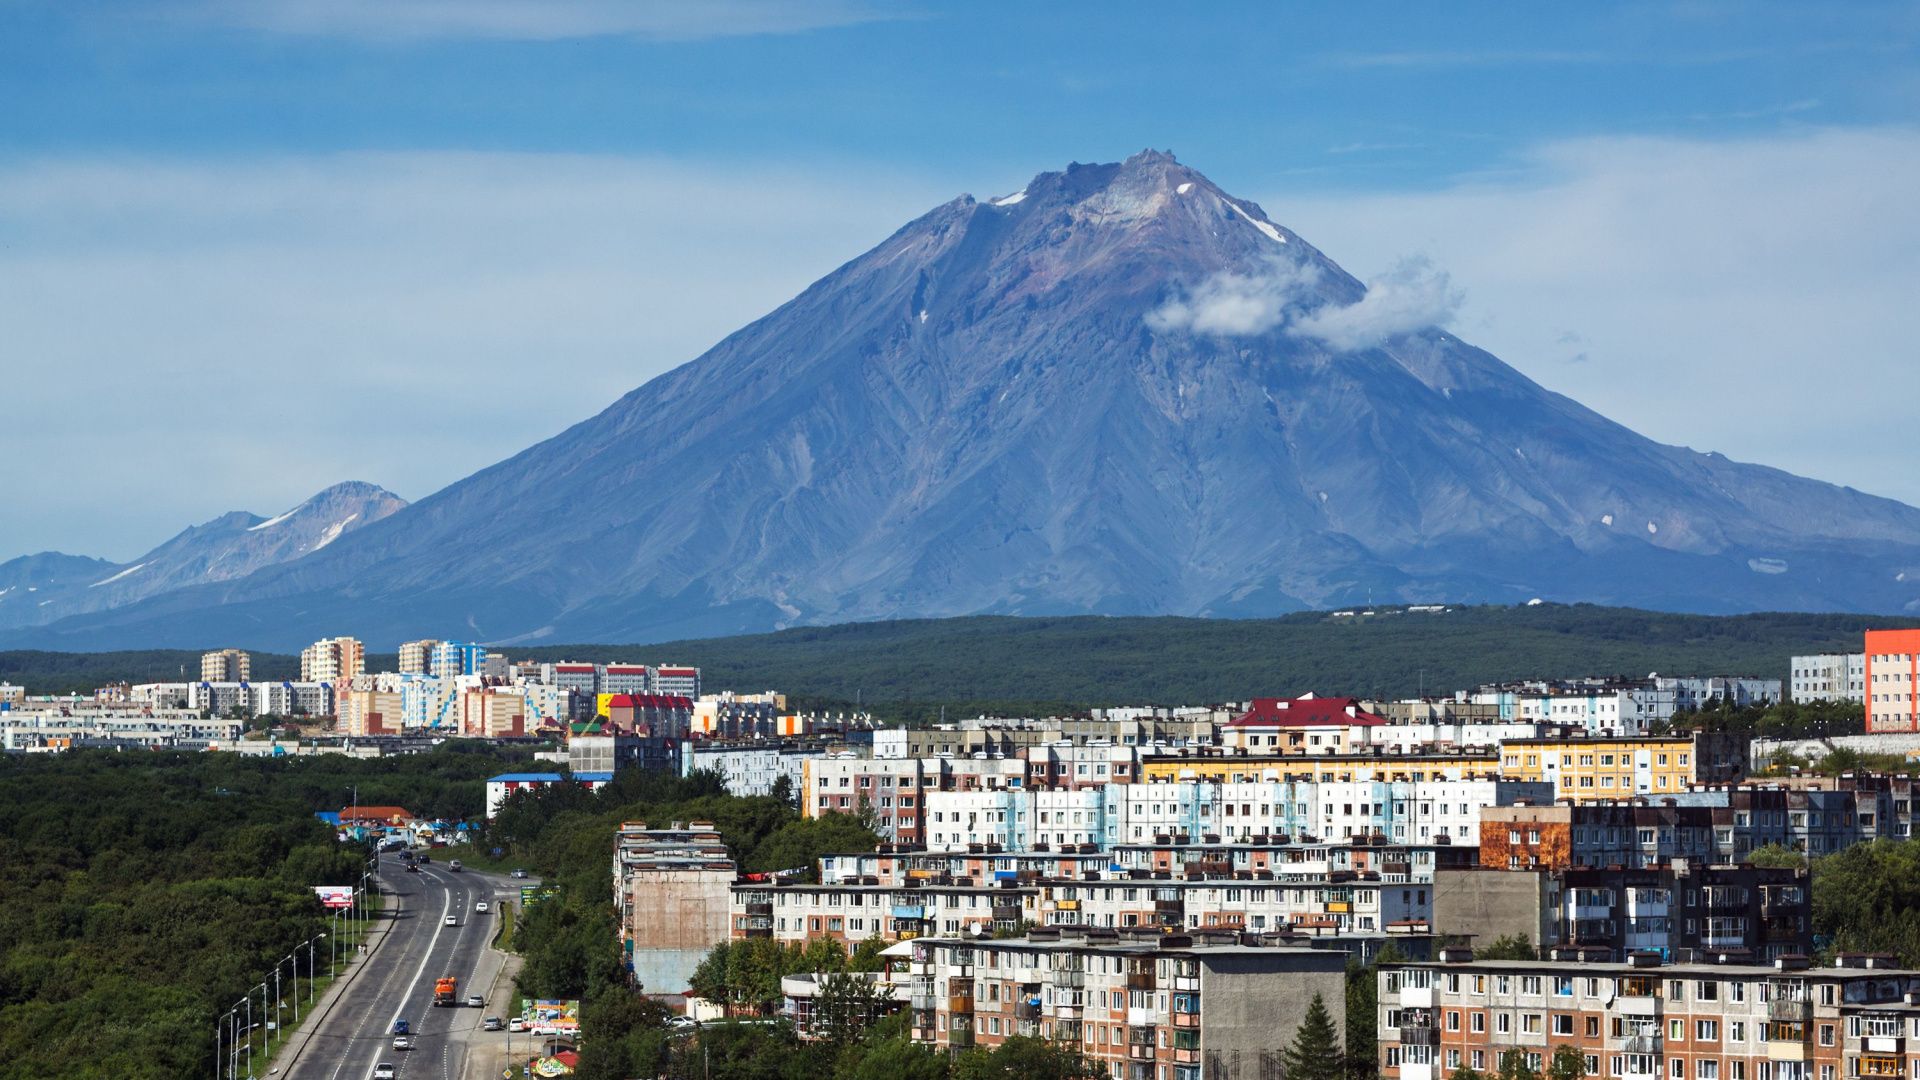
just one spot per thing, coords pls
(1119, 390)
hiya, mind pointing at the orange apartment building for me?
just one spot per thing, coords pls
(1640, 1020)
(1893, 680)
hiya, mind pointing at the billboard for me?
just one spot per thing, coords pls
(533, 894)
(545, 1017)
(334, 896)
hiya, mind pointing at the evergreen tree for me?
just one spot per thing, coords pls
(1363, 1004)
(1567, 1063)
(1314, 1053)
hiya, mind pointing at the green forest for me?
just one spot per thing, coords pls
(911, 669)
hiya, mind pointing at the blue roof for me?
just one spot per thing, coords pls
(331, 817)
(523, 777)
(593, 777)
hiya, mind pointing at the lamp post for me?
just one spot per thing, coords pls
(249, 1031)
(312, 943)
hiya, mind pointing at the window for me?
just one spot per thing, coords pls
(1706, 1031)
(1563, 1024)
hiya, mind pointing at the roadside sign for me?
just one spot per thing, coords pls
(334, 896)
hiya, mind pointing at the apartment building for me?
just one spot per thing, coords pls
(450, 658)
(1308, 725)
(1721, 824)
(1224, 765)
(852, 912)
(625, 679)
(1611, 768)
(1403, 811)
(1893, 680)
(752, 768)
(416, 657)
(671, 888)
(1143, 1006)
(1641, 1020)
(226, 665)
(1680, 910)
(370, 712)
(332, 660)
(1828, 677)
(675, 679)
(892, 790)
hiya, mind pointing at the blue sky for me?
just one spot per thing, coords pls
(252, 248)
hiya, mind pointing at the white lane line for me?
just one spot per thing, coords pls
(445, 907)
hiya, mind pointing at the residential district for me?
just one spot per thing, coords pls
(1165, 889)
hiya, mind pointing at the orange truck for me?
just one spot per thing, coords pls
(445, 991)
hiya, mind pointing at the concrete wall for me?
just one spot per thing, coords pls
(1249, 1012)
(1488, 904)
(676, 917)
(1884, 743)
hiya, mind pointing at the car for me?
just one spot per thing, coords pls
(482, 907)
(383, 1071)
(517, 873)
(475, 1001)
(516, 1024)
(682, 1023)
(452, 920)
(492, 1023)
(403, 1042)
(401, 1027)
(425, 858)
(412, 869)
(454, 866)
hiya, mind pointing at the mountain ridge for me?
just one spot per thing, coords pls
(1120, 390)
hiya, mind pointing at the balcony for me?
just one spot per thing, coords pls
(1186, 982)
(1420, 1035)
(1789, 1010)
(1066, 1030)
(759, 909)
(1140, 979)
(1882, 1066)
(1787, 1051)
(1640, 1044)
(1069, 978)
(1883, 1044)
(926, 1002)
(960, 1003)
(1416, 997)
(1186, 1020)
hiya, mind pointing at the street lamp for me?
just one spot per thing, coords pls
(312, 944)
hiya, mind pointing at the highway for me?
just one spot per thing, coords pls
(397, 984)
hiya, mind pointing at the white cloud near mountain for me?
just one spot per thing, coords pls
(1231, 304)
(1413, 295)
(537, 20)
(1752, 296)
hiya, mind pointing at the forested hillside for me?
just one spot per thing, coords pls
(911, 668)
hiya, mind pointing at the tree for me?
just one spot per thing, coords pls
(1024, 1058)
(1314, 1053)
(783, 791)
(1363, 1003)
(1507, 947)
(1567, 1063)
(844, 1007)
(1465, 1073)
(1513, 1066)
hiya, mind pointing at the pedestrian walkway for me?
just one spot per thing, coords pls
(316, 1018)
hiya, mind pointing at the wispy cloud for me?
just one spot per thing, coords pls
(1466, 58)
(1231, 304)
(460, 307)
(539, 20)
(1694, 269)
(1414, 295)
(1374, 147)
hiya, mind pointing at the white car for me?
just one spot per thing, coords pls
(453, 920)
(516, 1024)
(482, 907)
(383, 1071)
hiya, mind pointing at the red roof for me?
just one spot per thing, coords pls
(625, 669)
(375, 813)
(680, 671)
(1307, 712)
(649, 701)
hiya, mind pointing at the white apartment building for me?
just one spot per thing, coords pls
(1829, 677)
(1412, 812)
(751, 769)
